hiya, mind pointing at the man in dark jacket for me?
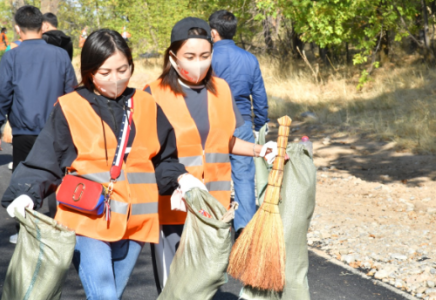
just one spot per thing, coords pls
(32, 77)
(55, 37)
(241, 70)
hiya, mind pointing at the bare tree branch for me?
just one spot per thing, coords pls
(374, 55)
(407, 29)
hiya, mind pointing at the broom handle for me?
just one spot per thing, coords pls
(275, 178)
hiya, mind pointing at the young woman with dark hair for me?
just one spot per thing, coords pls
(83, 138)
(204, 116)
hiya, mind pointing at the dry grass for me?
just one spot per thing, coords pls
(398, 105)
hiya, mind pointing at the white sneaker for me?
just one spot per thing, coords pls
(11, 165)
(13, 238)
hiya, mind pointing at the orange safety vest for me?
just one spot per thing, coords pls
(213, 165)
(134, 207)
(3, 41)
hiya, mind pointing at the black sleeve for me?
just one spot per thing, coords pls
(44, 167)
(166, 163)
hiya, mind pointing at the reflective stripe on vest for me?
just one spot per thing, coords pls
(101, 177)
(137, 208)
(216, 158)
(191, 161)
(119, 207)
(141, 177)
(214, 186)
(144, 208)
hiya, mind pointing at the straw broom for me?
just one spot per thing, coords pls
(258, 256)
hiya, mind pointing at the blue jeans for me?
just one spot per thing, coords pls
(104, 268)
(243, 172)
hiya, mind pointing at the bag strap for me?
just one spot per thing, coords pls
(117, 164)
(123, 139)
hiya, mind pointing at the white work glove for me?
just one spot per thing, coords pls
(186, 183)
(20, 203)
(177, 202)
(270, 157)
(256, 133)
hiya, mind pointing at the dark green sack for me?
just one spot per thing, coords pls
(199, 266)
(296, 209)
(41, 259)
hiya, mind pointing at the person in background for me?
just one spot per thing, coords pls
(240, 69)
(83, 36)
(81, 137)
(27, 95)
(3, 39)
(55, 37)
(204, 116)
(126, 35)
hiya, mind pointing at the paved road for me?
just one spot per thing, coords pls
(327, 281)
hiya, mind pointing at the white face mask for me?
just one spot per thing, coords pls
(191, 71)
(111, 89)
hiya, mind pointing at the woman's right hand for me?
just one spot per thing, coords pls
(20, 203)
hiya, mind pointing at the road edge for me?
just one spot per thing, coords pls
(357, 272)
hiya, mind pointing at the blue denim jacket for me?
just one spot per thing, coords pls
(241, 70)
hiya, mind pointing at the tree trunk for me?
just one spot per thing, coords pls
(425, 17)
(323, 52)
(267, 30)
(347, 54)
(428, 53)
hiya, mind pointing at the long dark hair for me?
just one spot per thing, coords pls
(169, 76)
(98, 47)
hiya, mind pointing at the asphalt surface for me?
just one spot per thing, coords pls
(327, 281)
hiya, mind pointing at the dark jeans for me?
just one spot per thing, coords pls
(21, 146)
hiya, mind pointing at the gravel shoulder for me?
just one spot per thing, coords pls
(376, 211)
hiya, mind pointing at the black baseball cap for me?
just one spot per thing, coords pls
(181, 29)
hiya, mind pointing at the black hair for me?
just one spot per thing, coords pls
(51, 18)
(170, 77)
(3, 29)
(29, 18)
(225, 23)
(98, 47)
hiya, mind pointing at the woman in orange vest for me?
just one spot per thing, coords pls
(83, 137)
(204, 116)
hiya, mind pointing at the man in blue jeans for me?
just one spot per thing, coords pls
(241, 70)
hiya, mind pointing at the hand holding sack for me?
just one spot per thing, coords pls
(186, 183)
(42, 256)
(19, 206)
(199, 266)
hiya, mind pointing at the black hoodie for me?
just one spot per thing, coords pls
(59, 39)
